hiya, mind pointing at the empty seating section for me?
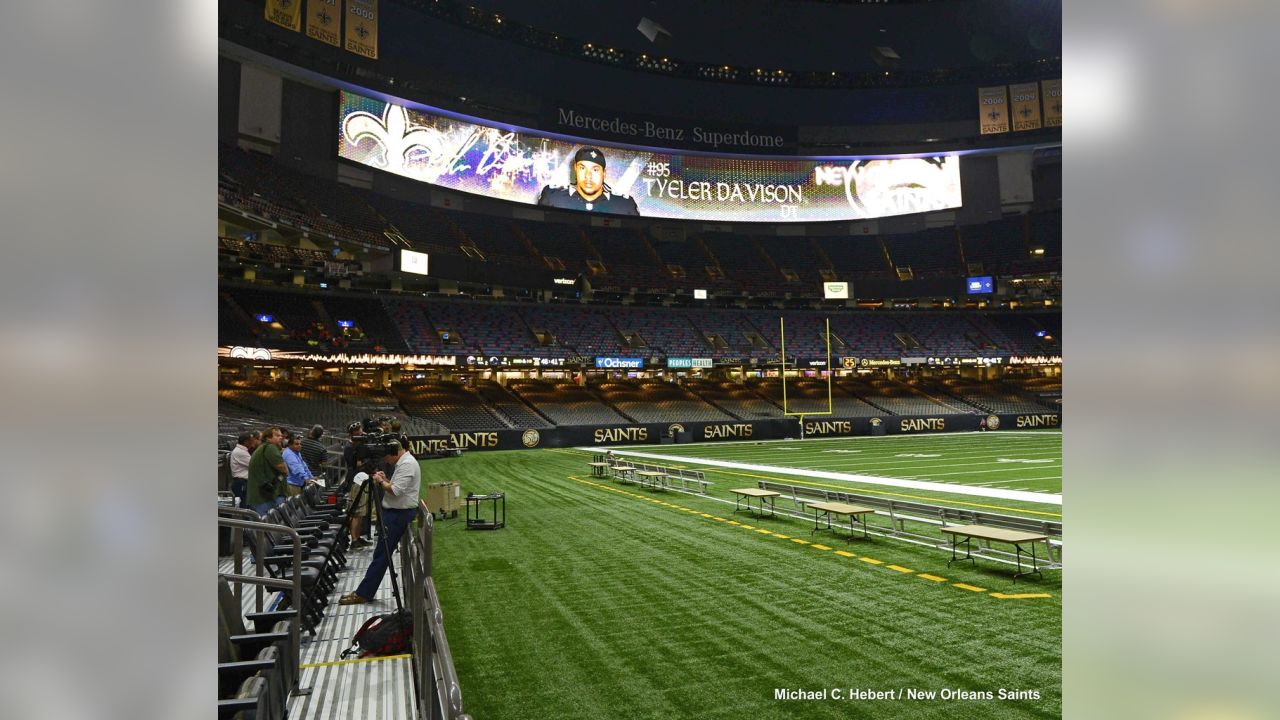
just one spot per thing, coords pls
(742, 261)
(800, 255)
(427, 228)
(734, 398)
(287, 401)
(900, 398)
(298, 318)
(805, 333)
(564, 242)
(866, 334)
(496, 237)
(854, 255)
(508, 405)
(1016, 333)
(369, 315)
(259, 184)
(929, 252)
(690, 255)
(998, 245)
(415, 325)
(628, 260)
(992, 397)
(588, 331)
(658, 401)
(449, 404)
(811, 396)
(940, 334)
(665, 332)
(734, 329)
(565, 403)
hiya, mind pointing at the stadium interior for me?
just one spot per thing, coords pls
(880, 384)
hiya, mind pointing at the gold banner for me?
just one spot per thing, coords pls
(323, 20)
(994, 109)
(1024, 101)
(362, 28)
(1051, 91)
(285, 13)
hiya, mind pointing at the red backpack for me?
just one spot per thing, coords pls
(390, 634)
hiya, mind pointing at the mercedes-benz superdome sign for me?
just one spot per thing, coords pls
(556, 171)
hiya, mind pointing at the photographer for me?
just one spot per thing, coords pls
(353, 485)
(399, 504)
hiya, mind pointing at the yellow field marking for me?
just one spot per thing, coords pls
(800, 541)
(780, 535)
(356, 660)
(847, 488)
(720, 519)
(707, 515)
(971, 588)
(873, 561)
(901, 569)
(734, 522)
(934, 578)
(1022, 596)
(764, 531)
(745, 526)
(816, 546)
(846, 553)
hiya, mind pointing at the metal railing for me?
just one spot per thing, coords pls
(439, 696)
(227, 519)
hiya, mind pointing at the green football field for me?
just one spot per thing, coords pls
(606, 600)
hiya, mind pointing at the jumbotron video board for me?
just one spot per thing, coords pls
(538, 169)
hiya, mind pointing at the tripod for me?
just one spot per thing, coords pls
(387, 549)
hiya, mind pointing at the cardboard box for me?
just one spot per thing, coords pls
(444, 498)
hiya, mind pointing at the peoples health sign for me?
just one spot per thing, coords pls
(684, 362)
(619, 363)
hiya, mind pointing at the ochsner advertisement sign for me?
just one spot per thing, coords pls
(619, 363)
(591, 176)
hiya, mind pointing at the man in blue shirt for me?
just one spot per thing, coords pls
(299, 473)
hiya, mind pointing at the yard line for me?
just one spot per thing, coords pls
(1031, 497)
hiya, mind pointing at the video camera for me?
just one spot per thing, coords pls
(374, 446)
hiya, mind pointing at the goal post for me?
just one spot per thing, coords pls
(786, 410)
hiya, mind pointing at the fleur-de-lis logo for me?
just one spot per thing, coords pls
(393, 133)
(1025, 112)
(993, 115)
(323, 17)
(362, 32)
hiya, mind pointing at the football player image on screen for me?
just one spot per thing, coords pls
(587, 189)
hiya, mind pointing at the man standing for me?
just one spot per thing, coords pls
(266, 467)
(587, 189)
(298, 472)
(399, 505)
(239, 460)
(313, 451)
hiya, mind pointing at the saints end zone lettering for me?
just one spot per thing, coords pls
(737, 430)
(1044, 420)
(936, 424)
(456, 440)
(828, 427)
(613, 435)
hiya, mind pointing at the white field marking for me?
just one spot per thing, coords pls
(960, 446)
(841, 451)
(1023, 460)
(918, 455)
(972, 472)
(1004, 494)
(1011, 434)
(915, 467)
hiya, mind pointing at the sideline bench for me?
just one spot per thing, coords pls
(900, 512)
(982, 532)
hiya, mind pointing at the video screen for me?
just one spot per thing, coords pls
(597, 177)
(980, 285)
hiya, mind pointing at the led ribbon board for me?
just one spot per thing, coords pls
(537, 169)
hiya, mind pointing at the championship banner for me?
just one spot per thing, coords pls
(1024, 100)
(362, 28)
(994, 109)
(533, 168)
(1051, 91)
(323, 19)
(285, 13)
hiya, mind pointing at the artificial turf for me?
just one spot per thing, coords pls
(601, 600)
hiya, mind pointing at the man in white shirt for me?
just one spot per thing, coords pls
(239, 461)
(399, 505)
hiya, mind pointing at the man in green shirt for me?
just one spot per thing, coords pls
(266, 468)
